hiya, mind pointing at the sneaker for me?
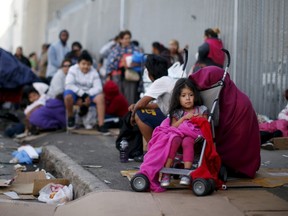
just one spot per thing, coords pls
(185, 180)
(102, 129)
(165, 181)
(268, 146)
(34, 130)
(88, 126)
(71, 123)
(140, 158)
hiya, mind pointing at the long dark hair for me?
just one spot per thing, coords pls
(175, 98)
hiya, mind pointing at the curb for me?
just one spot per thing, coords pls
(55, 161)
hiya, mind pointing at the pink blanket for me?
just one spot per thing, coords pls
(159, 147)
(237, 135)
(271, 127)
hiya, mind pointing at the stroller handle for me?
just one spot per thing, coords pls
(186, 58)
(228, 57)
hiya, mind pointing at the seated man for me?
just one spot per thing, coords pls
(146, 113)
(82, 87)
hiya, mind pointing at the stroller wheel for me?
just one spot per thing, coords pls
(223, 175)
(139, 183)
(201, 187)
(213, 186)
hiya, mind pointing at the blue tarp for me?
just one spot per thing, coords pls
(13, 73)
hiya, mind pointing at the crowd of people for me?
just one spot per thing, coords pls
(111, 87)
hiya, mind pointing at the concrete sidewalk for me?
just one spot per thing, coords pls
(174, 203)
(66, 155)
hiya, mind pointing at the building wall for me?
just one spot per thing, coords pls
(34, 25)
(262, 53)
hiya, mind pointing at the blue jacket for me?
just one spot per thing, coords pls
(56, 54)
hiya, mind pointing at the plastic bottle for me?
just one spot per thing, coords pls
(123, 151)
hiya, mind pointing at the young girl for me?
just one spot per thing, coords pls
(175, 131)
(185, 104)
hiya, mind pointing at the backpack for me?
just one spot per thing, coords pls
(133, 135)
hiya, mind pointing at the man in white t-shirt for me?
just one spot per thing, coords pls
(152, 108)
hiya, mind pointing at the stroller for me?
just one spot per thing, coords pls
(203, 182)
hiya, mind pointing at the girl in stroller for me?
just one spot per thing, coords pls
(185, 104)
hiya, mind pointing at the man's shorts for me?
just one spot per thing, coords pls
(75, 96)
(151, 117)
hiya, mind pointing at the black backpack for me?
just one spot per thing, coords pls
(133, 135)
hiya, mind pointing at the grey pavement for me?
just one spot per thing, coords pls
(68, 154)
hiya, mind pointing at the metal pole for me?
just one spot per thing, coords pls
(122, 14)
(235, 39)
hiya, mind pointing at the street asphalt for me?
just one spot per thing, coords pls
(100, 154)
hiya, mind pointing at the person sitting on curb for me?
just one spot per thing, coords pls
(43, 113)
(145, 113)
(116, 105)
(57, 85)
(276, 128)
(82, 87)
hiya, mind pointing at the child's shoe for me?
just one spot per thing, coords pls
(165, 181)
(71, 123)
(185, 180)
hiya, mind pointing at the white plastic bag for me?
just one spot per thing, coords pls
(89, 120)
(176, 71)
(56, 194)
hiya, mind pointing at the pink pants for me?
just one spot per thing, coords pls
(187, 146)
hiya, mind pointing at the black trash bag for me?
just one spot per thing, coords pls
(133, 135)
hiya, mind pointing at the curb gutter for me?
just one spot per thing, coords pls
(55, 161)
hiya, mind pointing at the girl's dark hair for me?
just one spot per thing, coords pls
(27, 90)
(157, 66)
(85, 56)
(30, 89)
(123, 33)
(159, 46)
(213, 33)
(175, 97)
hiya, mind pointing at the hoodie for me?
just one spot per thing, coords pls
(115, 102)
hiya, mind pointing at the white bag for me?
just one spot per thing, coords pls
(56, 194)
(89, 120)
(176, 71)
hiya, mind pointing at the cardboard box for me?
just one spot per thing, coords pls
(280, 143)
(32, 182)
